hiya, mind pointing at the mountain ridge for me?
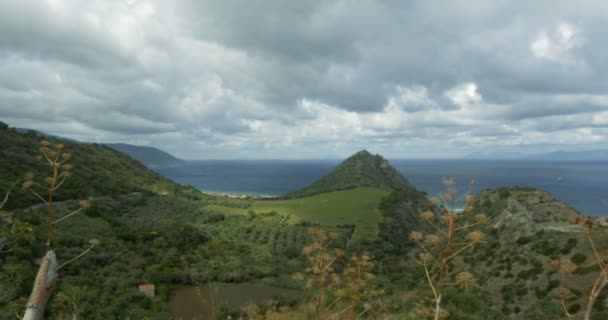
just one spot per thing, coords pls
(151, 157)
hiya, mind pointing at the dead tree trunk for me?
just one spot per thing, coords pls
(43, 287)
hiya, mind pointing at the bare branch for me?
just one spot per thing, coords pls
(41, 186)
(428, 252)
(468, 226)
(60, 183)
(428, 277)
(461, 250)
(39, 197)
(67, 216)
(5, 198)
(595, 253)
(47, 158)
(78, 256)
(565, 309)
(442, 232)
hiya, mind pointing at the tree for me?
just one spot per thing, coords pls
(57, 161)
(441, 247)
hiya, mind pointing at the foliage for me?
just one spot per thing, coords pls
(101, 171)
(360, 170)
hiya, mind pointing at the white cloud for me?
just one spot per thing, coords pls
(557, 46)
(464, 95)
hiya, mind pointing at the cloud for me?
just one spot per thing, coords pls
(558, 46)
(229, 79)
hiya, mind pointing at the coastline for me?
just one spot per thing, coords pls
(237, 195)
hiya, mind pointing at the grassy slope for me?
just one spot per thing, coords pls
(98, 170)
(357, 206)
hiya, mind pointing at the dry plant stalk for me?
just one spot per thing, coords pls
(439, 248)
(60, 170)
(339, 296)
(320, 277)
(564, 266)
(357, 299)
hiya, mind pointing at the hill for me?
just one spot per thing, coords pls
(149, 156)
(98, 169)
(528, 230)
(360, 170)
(524, 211)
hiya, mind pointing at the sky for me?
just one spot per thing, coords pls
(257, 79)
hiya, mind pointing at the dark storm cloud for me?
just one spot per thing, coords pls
(279, 77)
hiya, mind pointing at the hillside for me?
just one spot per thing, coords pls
(98, 169)
(360, 170)
(149, 156)
(524, 211)
(528, 230)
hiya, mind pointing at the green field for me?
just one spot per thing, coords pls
(357, 206)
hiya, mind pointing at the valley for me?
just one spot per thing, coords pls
(211, 256)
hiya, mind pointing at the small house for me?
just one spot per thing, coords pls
(147, 289)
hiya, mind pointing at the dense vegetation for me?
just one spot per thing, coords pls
(360, 170)
(154, 231)
(98, 170)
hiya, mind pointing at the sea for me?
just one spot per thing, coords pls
(581, 184)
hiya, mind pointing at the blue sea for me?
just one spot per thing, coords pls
(581, 184)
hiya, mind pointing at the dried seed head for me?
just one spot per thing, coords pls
(65, 174)
(39, 158)
(66, 156)
(587, 223)
(425, 258)
(49, 181)
(298, 276)
(29, 176)
(427, 216)
(66, 167)
(564, 266)
(432, 240)
(94, 242)
(44, 150)
(416, 236)
(307, 250)
(85, 204)
(481, 218)
(44, 143)
(562, 293)
(59, 146)
(475, 236)
(450, 216)
(27, 184)
(464, 280)
(333, 235)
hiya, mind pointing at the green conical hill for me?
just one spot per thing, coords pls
(360, 170)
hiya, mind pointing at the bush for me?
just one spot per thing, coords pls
(579, 258)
